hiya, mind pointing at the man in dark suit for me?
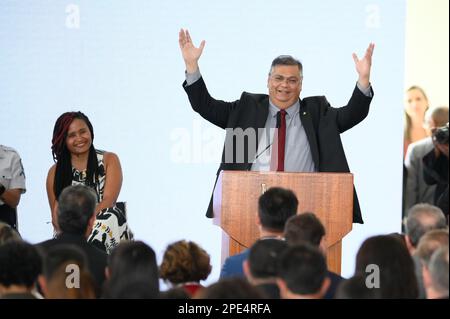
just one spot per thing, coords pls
(310, 128)
(275, 207)
(76, 217)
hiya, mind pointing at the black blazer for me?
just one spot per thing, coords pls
(323, 125)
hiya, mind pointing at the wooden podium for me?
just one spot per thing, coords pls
(328, 195)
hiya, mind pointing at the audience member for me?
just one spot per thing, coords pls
(185, 264)
(394, 270)
(230, 288)
(75, 218)
(302, 273)
(421, 219)
(132, 271)
(306, 227)
(20, 265)
(261, 266)
(275, 206)
(428, 243)
(435, 167)
(7, 233)
(356, 287)
(417, 190)
(435, 275)
(175, 293)
(66, 274)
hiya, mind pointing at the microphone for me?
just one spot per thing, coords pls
(265, 149)
(278, 125)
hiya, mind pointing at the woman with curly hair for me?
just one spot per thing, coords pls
(185, 264)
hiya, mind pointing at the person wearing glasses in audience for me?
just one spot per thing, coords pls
(280, 131)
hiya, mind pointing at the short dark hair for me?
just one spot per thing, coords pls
(20, 264)
(304, 227)
(263, 257)
(230, 288)
(76, 206)
(133, 261)
(303, 268)
(286, 60)
(275, 206)
(423, 218)
(57, 256)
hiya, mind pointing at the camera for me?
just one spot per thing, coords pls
(440, 136)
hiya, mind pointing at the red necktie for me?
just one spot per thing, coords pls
(279, 142)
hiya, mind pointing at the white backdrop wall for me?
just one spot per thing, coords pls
(426, 48)
(119, 62)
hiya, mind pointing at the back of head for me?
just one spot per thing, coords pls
(356, 288)
(263, 258)
(135, 288)
(437, 117)
(20, 264)
(7, 233)
(275, 207)
(76, 206)
(131, 261)
(439, 271)
(230, 288)
(63, 263)
(178, 292)
(185, 261)
(430, 242)
(68, 282)
(303, 268)
(421, 219)
(60, 255)
(304, 227)
(395, 266)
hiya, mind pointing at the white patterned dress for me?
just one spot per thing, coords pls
(111, 225)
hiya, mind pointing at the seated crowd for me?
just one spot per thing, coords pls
(287, 261)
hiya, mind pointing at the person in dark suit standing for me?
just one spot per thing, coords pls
(75, 218)
(308, 134)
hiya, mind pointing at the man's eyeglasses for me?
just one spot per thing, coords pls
(291, 81)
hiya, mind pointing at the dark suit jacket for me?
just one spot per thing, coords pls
(96, 258)
(335, 280)
(323, 125)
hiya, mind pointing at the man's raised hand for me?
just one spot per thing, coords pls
(363, 66)
(190, 53)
